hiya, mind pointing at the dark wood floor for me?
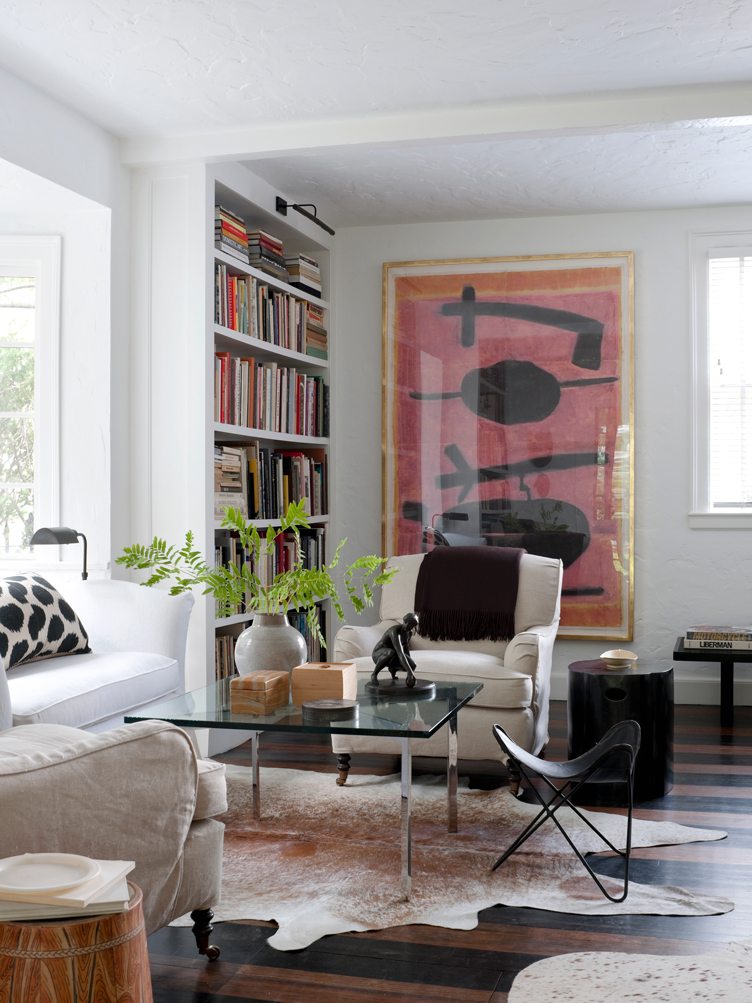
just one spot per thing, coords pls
(712, 788)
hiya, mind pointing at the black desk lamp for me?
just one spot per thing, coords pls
(60, 534)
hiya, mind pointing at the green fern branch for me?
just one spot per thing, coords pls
(298, 588)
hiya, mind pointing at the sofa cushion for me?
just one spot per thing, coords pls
(36, 622)
(85, 689)
(501, 687)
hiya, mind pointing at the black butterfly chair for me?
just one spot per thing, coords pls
(611, 761)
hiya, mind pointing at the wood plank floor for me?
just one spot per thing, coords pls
(712, 788)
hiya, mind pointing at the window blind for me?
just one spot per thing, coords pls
(729, 371)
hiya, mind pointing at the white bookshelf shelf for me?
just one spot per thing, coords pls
(227, 339)
(239, 432)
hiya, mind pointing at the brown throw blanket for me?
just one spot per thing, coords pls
(468, 593)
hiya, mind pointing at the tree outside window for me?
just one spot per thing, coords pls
(17, 365)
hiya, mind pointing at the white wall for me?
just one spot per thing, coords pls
(75, 186)
(681, 575)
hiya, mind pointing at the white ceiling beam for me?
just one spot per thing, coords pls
(722, 104)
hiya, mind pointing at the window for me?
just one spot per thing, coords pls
(722, 413)
(29, 324)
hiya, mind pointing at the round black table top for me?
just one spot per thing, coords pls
(597, 667)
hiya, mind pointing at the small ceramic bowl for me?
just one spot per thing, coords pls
(619, 658)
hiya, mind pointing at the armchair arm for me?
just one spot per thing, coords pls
(125, 794)
(354, 641)
(531, 652)
(123, 616)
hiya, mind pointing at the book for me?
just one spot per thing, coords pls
(79, 896)
(709, 632)
(115, 899)
(732, 645)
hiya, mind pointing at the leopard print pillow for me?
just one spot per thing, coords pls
(36, 622)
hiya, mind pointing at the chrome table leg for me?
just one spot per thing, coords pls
(406, 818)
(452, 774)
(255, 775)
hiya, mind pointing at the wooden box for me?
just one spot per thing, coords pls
(259, 692)
(324, 681)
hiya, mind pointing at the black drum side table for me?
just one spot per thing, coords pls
(600, 697)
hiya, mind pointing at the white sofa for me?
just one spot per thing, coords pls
(137, 637)
(515, 673)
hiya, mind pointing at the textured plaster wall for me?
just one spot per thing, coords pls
(681, 574)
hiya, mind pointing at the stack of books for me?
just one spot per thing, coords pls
(267, 253)
(304, 273)
(230, 234)
(316, 338)
(106, 892)
(230, 480)
(710, 636)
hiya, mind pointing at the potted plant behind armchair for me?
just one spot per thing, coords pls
(270, 642)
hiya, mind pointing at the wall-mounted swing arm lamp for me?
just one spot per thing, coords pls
(60, 534)
(302, 207)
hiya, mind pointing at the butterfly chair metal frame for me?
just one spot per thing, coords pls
(611, 760)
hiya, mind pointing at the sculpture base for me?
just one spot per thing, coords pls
(399, 688)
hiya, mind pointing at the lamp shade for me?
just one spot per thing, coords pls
(54, 534)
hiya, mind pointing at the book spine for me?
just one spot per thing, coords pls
(735, 645)
(718, 635)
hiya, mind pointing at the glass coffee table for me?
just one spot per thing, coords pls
(405, 717)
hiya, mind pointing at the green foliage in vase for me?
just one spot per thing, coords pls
(298, 588)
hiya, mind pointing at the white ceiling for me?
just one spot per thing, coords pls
(400, 110)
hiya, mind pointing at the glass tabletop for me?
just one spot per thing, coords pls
(403, 716)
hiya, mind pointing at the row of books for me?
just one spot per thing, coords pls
(316, 652)
(284, 557)
(245, 305)
(224, 656)
(316, 337)
(105, 893)
(262, 481)
(269, 397)
(224, 644)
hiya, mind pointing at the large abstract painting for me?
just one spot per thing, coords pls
(507, 418)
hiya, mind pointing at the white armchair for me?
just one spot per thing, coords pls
(515, 674)
(133, 793)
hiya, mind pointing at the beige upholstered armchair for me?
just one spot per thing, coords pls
(138, 793)
(515, 673)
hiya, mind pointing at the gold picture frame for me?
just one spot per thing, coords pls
(507, 392)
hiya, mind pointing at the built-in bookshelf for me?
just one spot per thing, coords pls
(270, 385)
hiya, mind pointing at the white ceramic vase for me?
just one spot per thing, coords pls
(271, 642)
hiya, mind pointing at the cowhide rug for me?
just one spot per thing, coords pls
(326, 859)
(722, 975)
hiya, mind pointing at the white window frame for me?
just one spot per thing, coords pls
(731, 243)
(40, 256)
